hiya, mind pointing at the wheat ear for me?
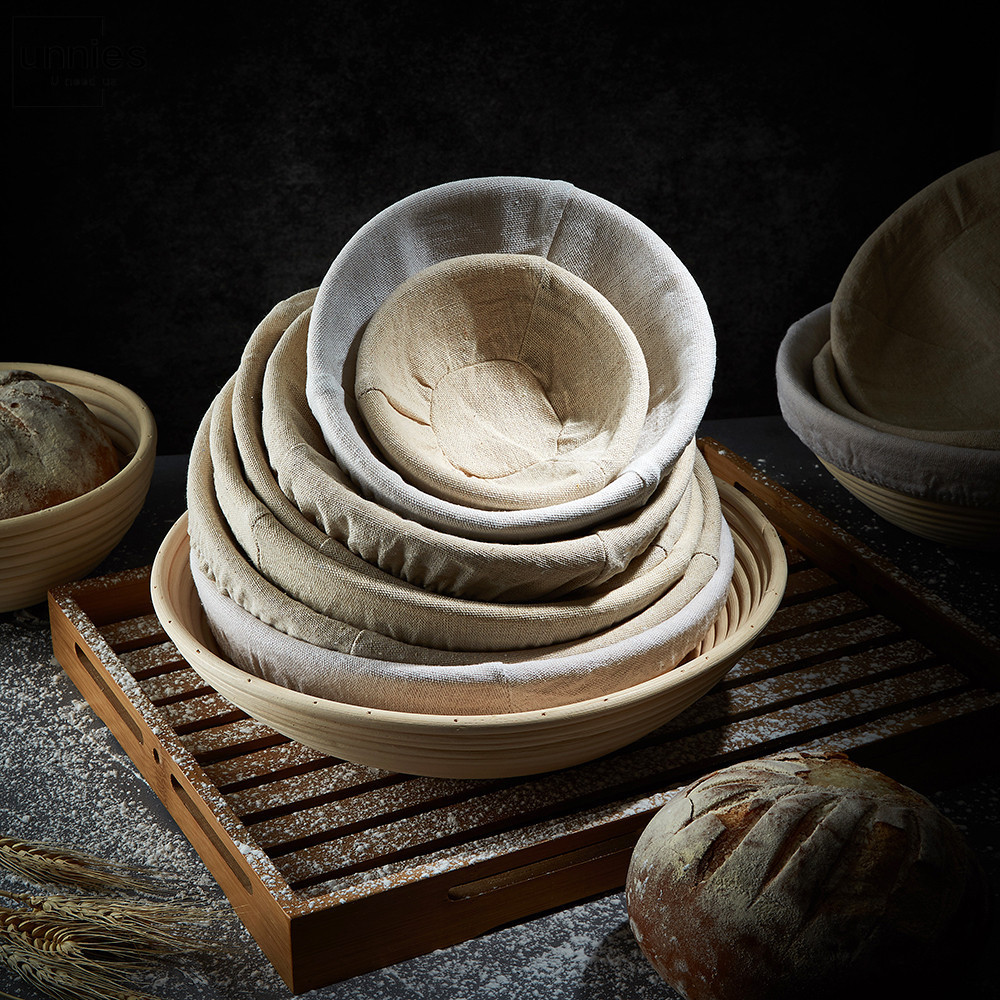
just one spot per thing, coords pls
(79, 946)
(50, 864)
(143, 927)
(64, 959)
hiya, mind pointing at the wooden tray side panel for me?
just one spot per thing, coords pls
(861, 569)
(201, 815)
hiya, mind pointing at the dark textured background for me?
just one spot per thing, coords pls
(174, 178)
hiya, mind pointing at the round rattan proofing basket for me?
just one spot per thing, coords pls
(65, 542)
(941, 492)
(948, 524)
(496, 745)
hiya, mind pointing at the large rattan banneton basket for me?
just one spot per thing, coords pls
(497, 745)
(65, 542)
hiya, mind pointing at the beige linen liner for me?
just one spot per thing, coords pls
(563, 676)
(931, 470)
(501, 381)
(336, 582)
(914, 346)
(215, 553)
(830, 392)
(278, 436)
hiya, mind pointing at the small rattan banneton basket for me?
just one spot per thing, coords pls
(65, 542)
(496, 745)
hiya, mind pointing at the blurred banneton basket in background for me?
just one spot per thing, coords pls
(65, 542)
(939, 491)
(893, 385)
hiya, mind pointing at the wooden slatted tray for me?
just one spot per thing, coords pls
(337, 869)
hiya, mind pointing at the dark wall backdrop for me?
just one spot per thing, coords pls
(175, 176)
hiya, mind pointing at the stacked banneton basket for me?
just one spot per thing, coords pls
(448, 516)
(895, 385)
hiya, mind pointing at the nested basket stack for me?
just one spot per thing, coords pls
(448, 517)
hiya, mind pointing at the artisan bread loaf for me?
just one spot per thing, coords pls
(804, 876)
(52, 448)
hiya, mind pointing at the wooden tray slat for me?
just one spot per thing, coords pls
(309, 848)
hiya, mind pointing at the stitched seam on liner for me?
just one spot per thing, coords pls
(530, 319)
(505, 475)
(559, 224)
(393, 406)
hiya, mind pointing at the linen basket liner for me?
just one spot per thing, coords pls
(830, 393)
(501, 381)
(338, 583)
(931, 470)
(483, 688)
(279, 431)
(215, 553)
(607, 247)
(914, 344)
(333, 580)
(284, 613)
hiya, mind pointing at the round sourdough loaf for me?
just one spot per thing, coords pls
(804, 876)
(52, 448)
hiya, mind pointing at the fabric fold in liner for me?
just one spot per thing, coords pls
(237, 538)
(501, 381)
(286, 463)
(914, 347)
(509, 683)
(945, 473)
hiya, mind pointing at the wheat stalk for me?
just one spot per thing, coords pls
(140, 925)
(49, 864)
(80, 946)
(64, 958)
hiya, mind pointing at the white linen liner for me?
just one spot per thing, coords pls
(602, 244)
(486, 687)
(930, 470)
(286, 463)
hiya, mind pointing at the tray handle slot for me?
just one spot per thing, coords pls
(210, 834)
(614, 853)
(96, 675)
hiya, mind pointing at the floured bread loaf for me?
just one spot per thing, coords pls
(52, 448)
(804, 876)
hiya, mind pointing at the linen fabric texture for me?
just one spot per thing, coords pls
(501, 381)
(609, 249)
(287, 465)
(487, 687)
(914, 346)
(931, 470)
(322, 569)
(301, 590)
(348, 656)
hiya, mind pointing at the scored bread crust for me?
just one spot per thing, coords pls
(803, 876)
(52, 448)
